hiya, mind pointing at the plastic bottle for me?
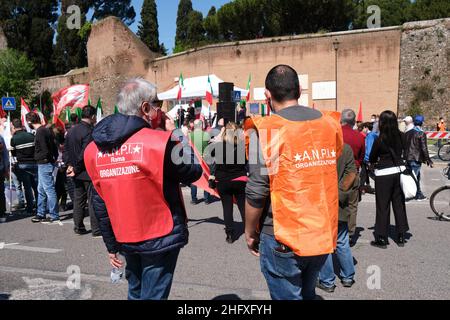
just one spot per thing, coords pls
(116, 275)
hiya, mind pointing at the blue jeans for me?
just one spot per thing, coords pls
(344, 256)
(289, 277)
(28, 174)
(150, 277)
(47, 200)
(194, 189)
(17, 183)
(416, 167)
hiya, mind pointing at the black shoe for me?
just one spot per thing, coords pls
(51, 221)
(195, 202)
(19, 207)
(401, 240)
(380, 242)
(229, 238)
(348, 283)
(37, 219)
(97, 236)
(81, 232)
(325, 288)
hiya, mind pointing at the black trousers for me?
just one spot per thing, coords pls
(83, 197)
(228, 191)
(2, 196)
(388, 191)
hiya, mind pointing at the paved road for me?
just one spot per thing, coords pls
(34, 260)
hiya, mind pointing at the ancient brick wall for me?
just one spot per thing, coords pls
(424, 73)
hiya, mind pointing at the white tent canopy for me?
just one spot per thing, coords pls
(196, 88)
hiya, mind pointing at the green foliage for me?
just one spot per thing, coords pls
(70, 50)
(211, 26)
(430, 9)
(16, 74)
(123, 9)
(148, 27)
(195, 30)
(28, 26)
(415, 109)
(181, 38)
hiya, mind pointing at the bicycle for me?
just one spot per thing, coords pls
(444, 152)
(440, 199)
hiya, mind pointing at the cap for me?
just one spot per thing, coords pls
(419, 120)
(408, 120)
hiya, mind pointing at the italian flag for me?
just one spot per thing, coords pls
(68, 114)
(181, 86)
(24, 110)
(249, 84)
(209, 92)
(265, 110)
(41, 116)
(99, 110)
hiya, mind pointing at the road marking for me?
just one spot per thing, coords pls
(16, 246)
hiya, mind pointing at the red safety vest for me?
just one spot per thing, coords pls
(301, 158)
(130, 181)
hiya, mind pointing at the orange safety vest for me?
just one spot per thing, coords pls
(301, 157)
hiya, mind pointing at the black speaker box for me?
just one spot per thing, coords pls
(226, 92)
(226, 111)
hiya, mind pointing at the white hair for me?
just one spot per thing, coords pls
(348, 117)
(133, 93)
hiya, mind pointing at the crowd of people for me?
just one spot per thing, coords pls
(297, 178)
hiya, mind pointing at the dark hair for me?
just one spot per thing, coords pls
(33, 118)
(390, 134)
(17, 124)
(74, 118)
(368, 125)
(283, 84)
(88, 112)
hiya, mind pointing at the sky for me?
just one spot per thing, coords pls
(167, 17)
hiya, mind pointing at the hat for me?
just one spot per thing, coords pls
(419, 120)
(408, 120)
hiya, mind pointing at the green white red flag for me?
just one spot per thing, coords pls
(74, 97)
(181, 86)
(209, 92)
(249, 84)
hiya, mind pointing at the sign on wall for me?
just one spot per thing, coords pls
(258, 94)
(254, 108)
(324, 90)
(304, 100)
(304, 81)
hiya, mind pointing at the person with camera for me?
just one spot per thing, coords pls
(77, 140)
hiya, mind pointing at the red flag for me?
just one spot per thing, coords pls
(203, 183)
(2, 113)
(74, 97)
(360, 114)
(59, 123)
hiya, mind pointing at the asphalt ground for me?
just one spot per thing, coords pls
(37, 262)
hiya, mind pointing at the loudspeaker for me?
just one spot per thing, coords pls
(226, 111)
(226, 92)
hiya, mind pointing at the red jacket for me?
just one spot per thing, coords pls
(130, 181)
(356, 141)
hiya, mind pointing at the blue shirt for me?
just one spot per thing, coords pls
(370, 139)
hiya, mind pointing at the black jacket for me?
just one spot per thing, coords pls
(45, 150)
(112, 132)
(77, 139)
(416, 147)
(384, 156)
(22, 144)
(224, 171)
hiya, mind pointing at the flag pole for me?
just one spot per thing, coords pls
(10, 171)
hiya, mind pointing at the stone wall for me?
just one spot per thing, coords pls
(55, 83)
(3, 42)
(424, 72)
(368, 65)
(115, 54)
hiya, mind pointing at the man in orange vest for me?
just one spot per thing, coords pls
(292, 193)
(137, 197)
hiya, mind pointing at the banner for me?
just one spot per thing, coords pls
(74, 97)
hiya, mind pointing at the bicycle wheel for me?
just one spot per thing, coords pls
(444, 152)
(440, 203)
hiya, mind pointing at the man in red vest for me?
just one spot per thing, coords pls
(137, 197)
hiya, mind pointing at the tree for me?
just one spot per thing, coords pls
(118, 8)
(211, 26)
(28, 26)
(430, 9)
(70, 49)
(184, 9)
(16, 74)
(393, 12)
(195, 30)
(148, 27)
